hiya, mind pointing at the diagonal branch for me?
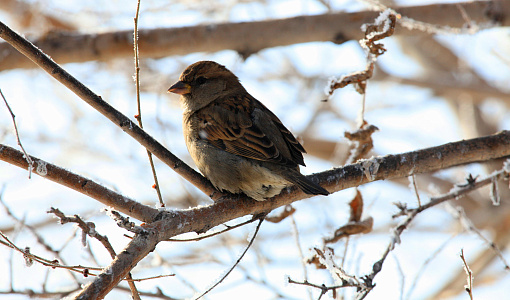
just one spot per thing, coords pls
(94, 100)
(81, 184)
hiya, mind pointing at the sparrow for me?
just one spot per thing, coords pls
(235, 141)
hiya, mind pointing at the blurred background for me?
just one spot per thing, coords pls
(427, 90)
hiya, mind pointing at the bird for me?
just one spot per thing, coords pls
(235, 141)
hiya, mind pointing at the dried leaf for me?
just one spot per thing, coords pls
(351, 228)
(356, 206)
(287, 211)
(316, 259)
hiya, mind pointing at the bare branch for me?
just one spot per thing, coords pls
(128, 126)
(81, 184)
(236, 263)
(469, 285)
(324, 289)
(138, 102)
(43, 261)
(88, 228)
(13, 117)
(246, 37)
(460, 214)
(215, 233)
(411, 214)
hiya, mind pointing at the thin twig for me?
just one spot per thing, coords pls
(132, 287)
(412, 178)
(88, 228)
(237, 262)
(11, 253)
(205, 236)
(324, 289)
(469, 285)
(402, 276)
(426, 263)
(27, 157)
(412, 213)
(469, 226)
(346, 247)
(39, 238)
(139, 114)
(149, 278)
(457, 192)
(300, 251)
(46, 262)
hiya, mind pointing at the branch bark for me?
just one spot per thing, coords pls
(230, 207)
(80, 184)
(175, 222)
(246, 37)
(128, 126)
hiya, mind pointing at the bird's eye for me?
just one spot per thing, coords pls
(201, 80)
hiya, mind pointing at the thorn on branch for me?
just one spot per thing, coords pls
(470, 181)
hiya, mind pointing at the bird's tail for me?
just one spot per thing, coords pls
(305, 184)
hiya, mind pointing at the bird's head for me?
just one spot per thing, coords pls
(203, 82)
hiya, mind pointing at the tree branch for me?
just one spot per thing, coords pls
(246, 37)
(128, 126)
(80, 184)
(175, 222)
(230, 207)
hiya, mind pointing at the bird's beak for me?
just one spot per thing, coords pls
(180, 88)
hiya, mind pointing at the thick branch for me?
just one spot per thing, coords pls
(391, 166)
(139, 247)
(245, 37)
(81, 184)
(379, 168)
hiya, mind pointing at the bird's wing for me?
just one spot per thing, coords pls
(243, 126)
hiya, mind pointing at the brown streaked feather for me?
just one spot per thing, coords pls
(295, 148)
(228, 124)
